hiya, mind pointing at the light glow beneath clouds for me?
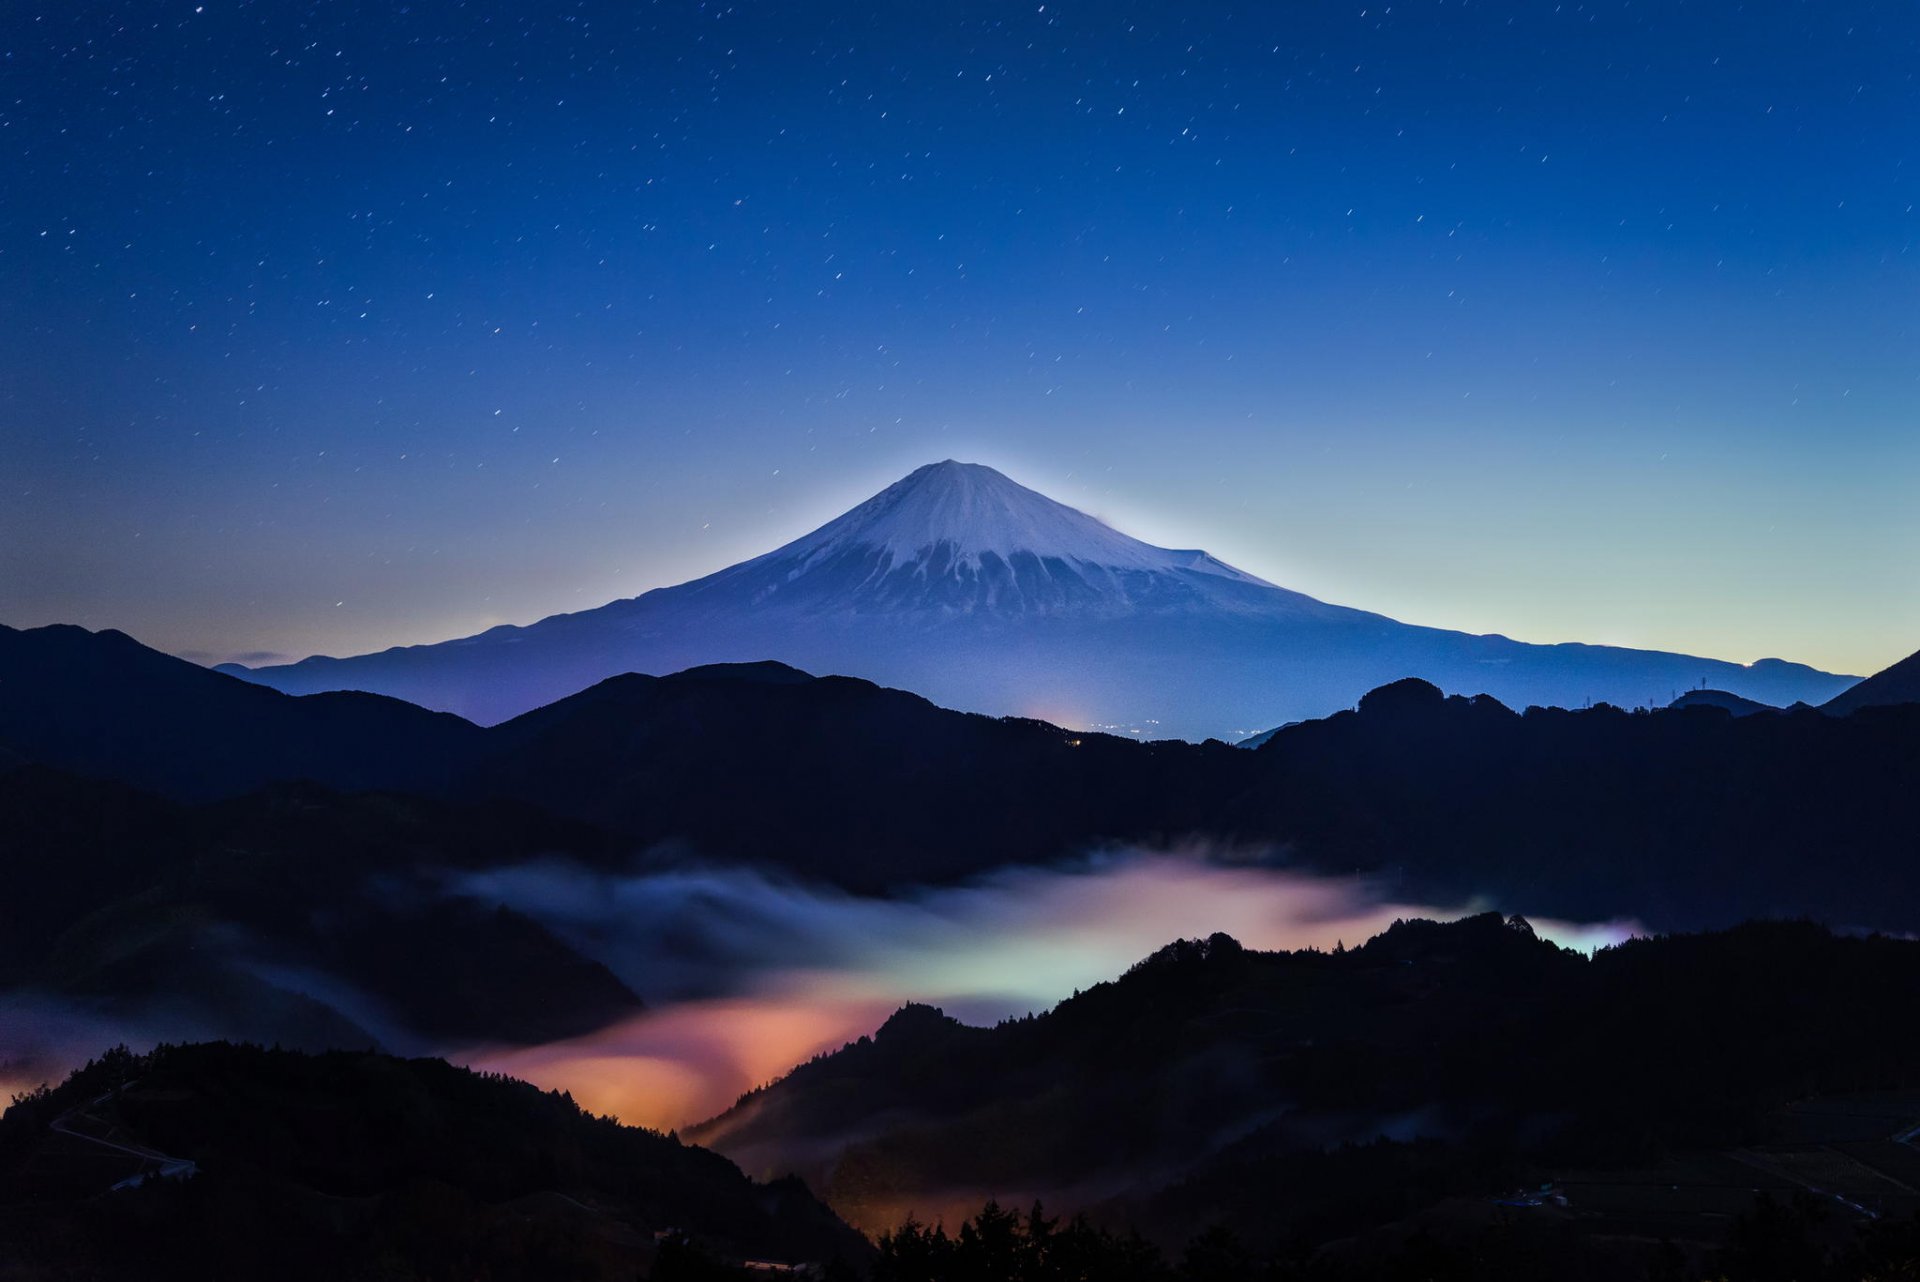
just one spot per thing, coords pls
(747, 976)
(750, 976)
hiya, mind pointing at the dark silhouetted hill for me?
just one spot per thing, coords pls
(356, 1165)
(832, 777)
(102, 704)
(1682, 818)
(1314, 1095)
(838, 778)
(1679, 818)
(1899, 684)
(1722, 699)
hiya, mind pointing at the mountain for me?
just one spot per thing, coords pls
(981, 594)
(1310, 1097)
(1684, 818)
(1255, 740)
(102, 704)
(840, 780)
(1721, 699)
(851, 782)
(287, 1165)
(1677, 818)
(1891, 686)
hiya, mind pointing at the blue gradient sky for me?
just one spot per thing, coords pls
(324, 327)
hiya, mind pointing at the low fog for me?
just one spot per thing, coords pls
(746, 975)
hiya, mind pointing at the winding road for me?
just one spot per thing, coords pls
(157, 1164)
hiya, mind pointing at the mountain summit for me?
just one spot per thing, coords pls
(981, 594)
(961, 538)
(965, 520)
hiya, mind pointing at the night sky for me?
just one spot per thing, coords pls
(326, 327)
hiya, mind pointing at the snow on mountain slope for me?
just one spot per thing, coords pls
(963, 516)
(963, 586)
(962, 539)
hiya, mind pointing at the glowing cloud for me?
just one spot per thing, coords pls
(751, 976)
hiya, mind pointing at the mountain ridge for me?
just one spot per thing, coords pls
(1895, 684)
(102, 703)
(1211, 1081)
(1686, 816)
(960, 584)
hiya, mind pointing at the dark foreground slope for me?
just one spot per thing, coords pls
(354, 1165)
(1773, 1240)
(1311, 1097)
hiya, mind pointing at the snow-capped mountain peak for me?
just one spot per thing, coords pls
(962, 516)
(959, 584)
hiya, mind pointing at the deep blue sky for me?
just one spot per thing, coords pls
(324, 327)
